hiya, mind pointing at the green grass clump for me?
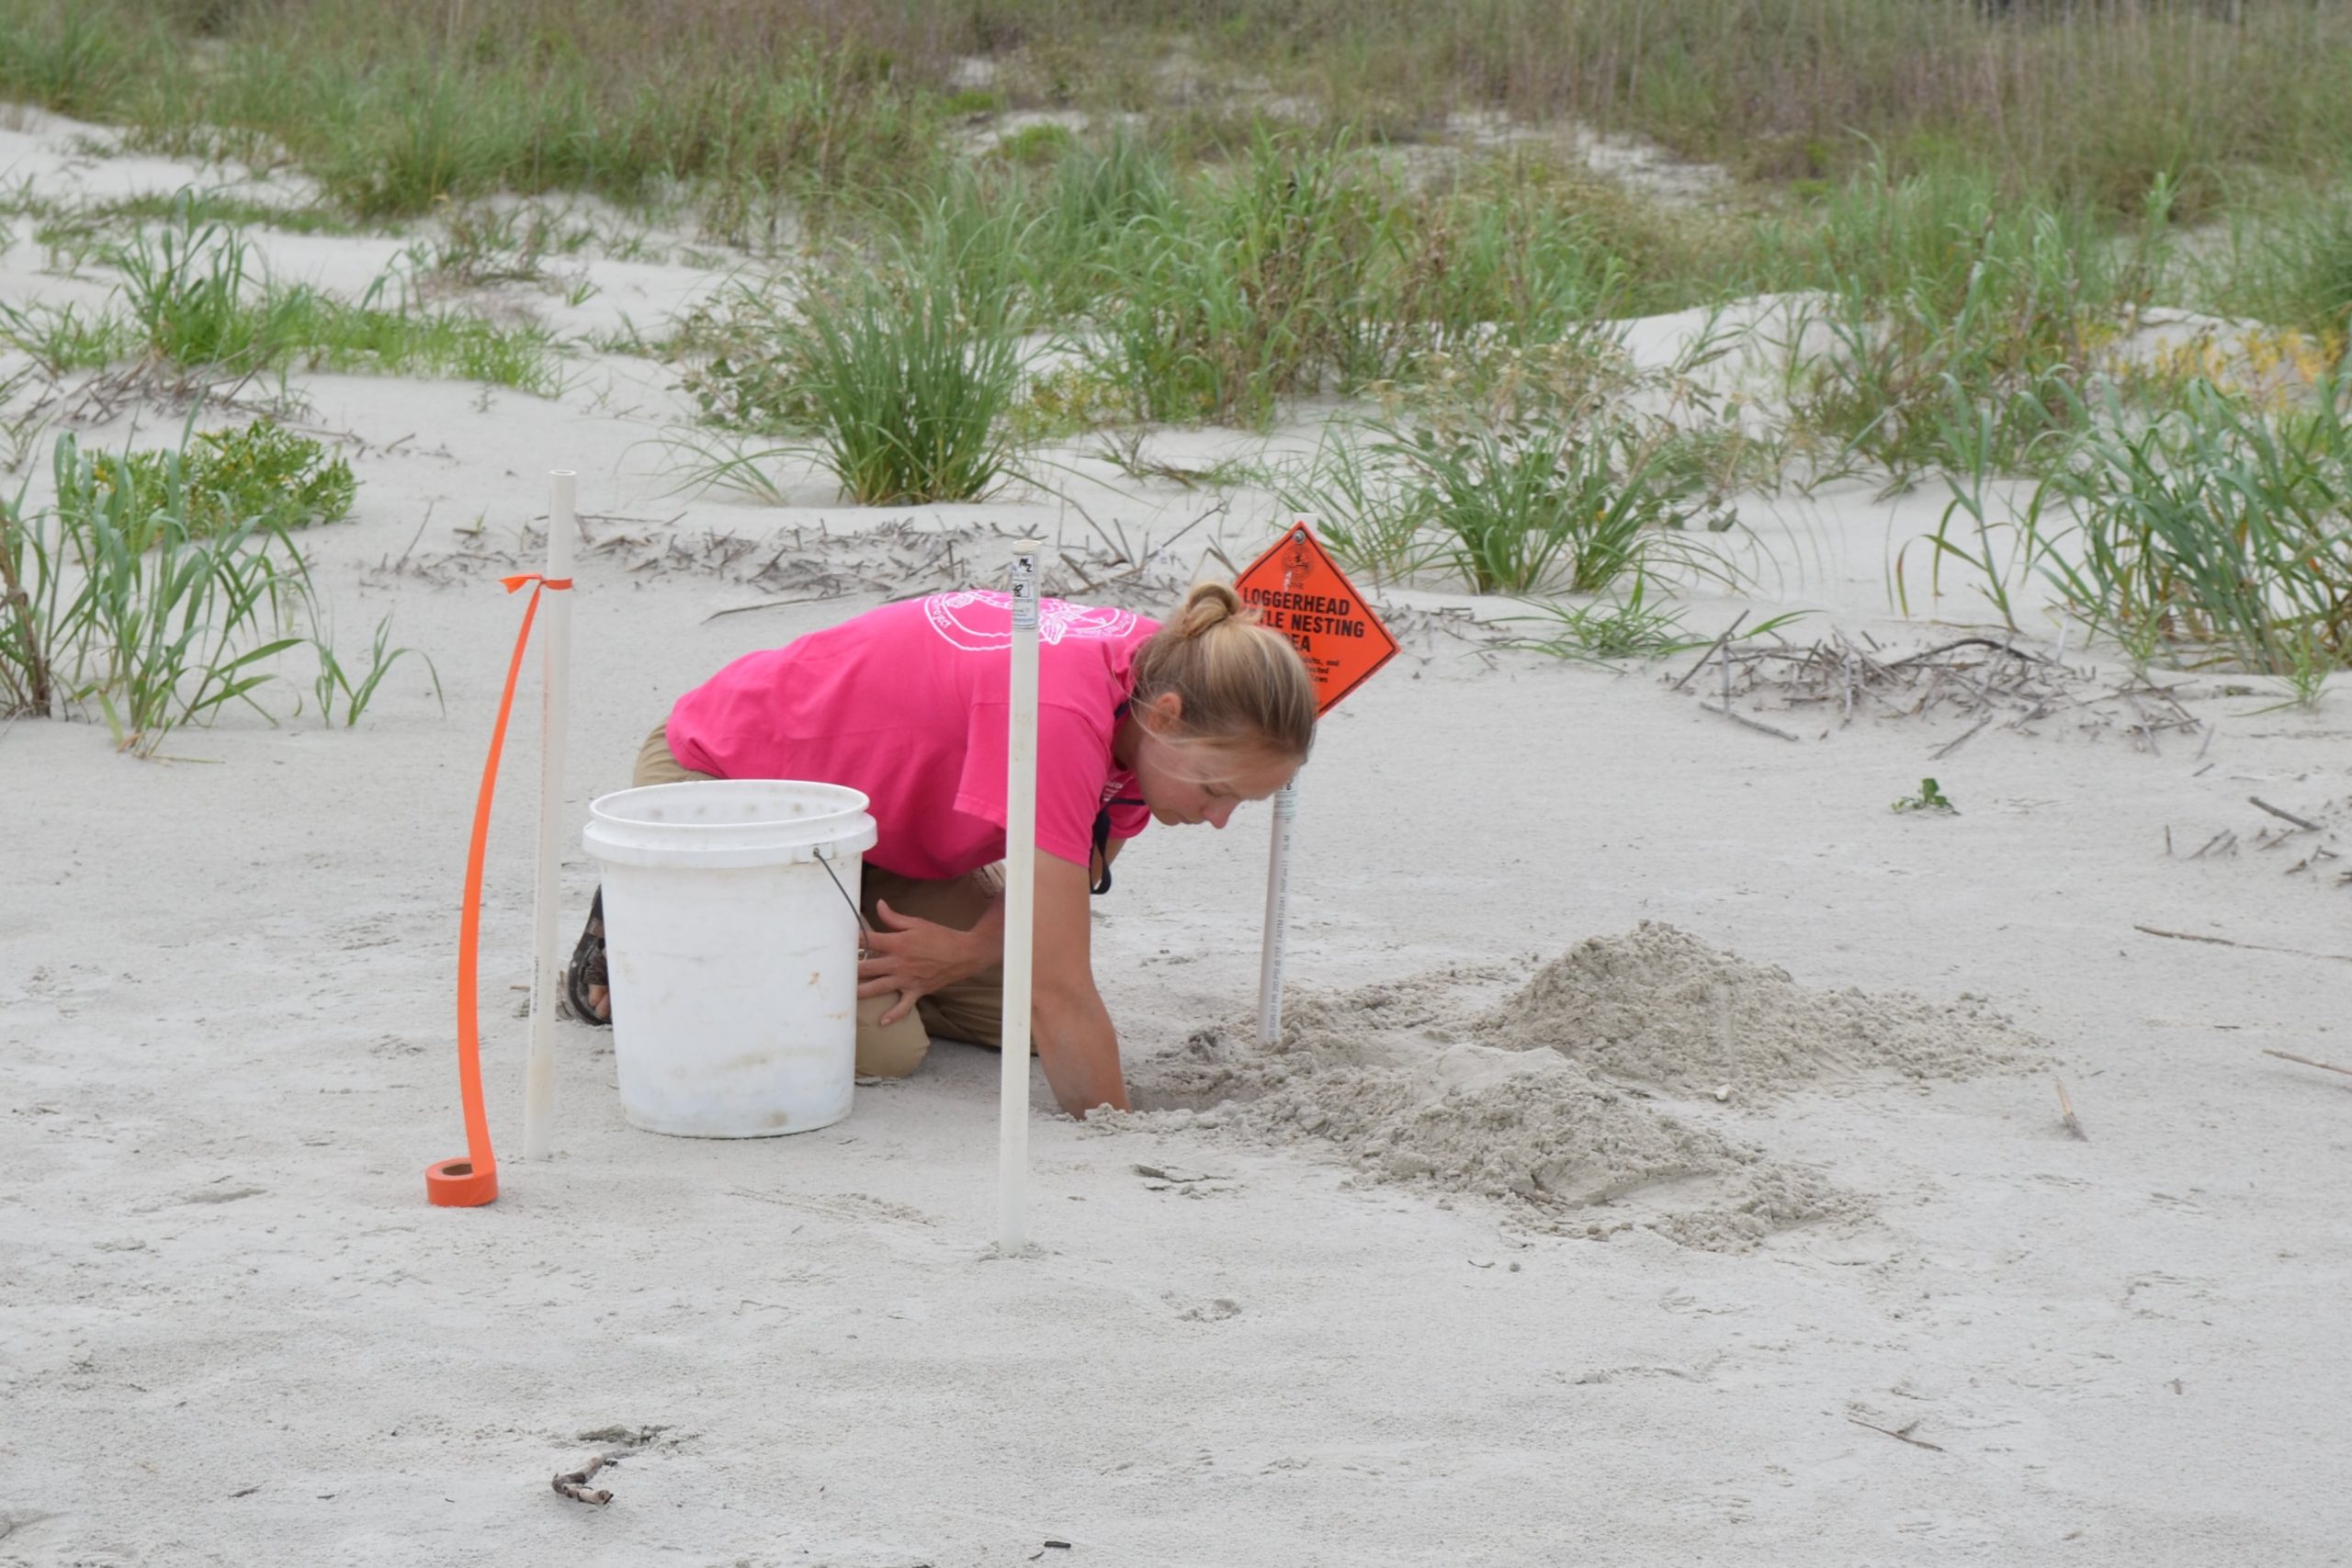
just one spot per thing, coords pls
(148, 592)
(2211, 532)
(2290, 264)
(1940, 299)
(904, 373)
(258, 473)
(1607, 631)
(2214, 529)
(65, 338)
(1214, 309)
(122, 606)
(1529, 504)
(1630, 627)
(343, 691)
(190, 300)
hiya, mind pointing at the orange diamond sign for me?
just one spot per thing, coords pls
(1299, 591)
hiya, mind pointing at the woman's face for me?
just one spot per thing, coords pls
(1188, 781)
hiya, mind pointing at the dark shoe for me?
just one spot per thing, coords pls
(585, 985)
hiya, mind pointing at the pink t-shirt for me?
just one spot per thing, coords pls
(908, 704)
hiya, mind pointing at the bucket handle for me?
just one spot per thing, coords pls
(823, 854)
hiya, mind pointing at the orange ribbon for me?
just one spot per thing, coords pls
(473, 1181)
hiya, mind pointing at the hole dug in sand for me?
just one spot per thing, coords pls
(1562, 1098)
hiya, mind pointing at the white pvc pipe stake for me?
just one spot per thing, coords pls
(1270, 956)
(1020, 909)
(555, 691)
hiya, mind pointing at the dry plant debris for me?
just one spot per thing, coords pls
(2066, 1117)
(1901, 1434)
(1979, 677)
(2307, 1061)
(573, 1483)
(899, 559)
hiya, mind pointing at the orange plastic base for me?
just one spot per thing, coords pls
(455, 1184)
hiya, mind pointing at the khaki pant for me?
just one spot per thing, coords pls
(970, 1010)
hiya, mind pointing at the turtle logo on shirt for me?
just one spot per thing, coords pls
(952, 617)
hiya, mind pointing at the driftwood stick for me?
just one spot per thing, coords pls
(763, 604)
(574, 1483)
(1711, 650)
(2209, 845)
(1902, 1436)
(1938, 651)
(1742, 718)
(2308, 1062)
(2066, 1110)
(2250, 946)
(1945, 751)
(2256, 800)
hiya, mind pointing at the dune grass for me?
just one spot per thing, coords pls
(125, 608)
(1978, 200)
(191, 299)
(897, 369)
(2214, 532)
(393, 104)
(159, 589)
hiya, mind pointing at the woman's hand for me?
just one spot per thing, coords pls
(915, 957)
(1076, 1042)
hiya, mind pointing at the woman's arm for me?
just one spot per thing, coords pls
(911, 958)
(1076, 1041)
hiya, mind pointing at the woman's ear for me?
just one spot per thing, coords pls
(1164, 715)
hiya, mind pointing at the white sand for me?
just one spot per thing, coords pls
(232, 1332)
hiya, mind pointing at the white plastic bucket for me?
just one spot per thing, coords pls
(731, 943)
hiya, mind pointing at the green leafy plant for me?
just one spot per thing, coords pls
(261, 472)
(1930, 798)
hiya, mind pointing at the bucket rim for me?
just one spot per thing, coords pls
(847, 802)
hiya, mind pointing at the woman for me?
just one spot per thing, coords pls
(1137, 721)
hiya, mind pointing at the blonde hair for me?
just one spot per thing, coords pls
(1239, 683)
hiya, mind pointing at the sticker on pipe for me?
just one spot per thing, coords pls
(1299, 591)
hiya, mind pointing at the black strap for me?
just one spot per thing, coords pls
(1097, 863)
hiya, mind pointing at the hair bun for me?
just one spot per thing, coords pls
(1208, 605)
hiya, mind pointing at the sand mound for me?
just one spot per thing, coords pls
(1657, 1006)
(1545, 1100)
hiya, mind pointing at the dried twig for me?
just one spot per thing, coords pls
(1743, 718)
(1948, 747)
(1902, 1436)
(2284, 815)
(1713, 649)
(2066, 1110)
(574, 1483)
(2250, 946)
(2308, 1062)
(764, 605)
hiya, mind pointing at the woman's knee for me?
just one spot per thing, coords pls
(889, 1051)
(657, 764)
